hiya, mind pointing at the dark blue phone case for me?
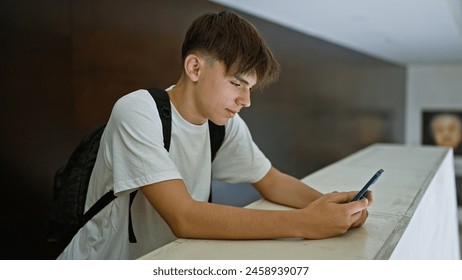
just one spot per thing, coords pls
(371, 181)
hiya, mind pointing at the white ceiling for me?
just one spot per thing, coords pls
(399, 31)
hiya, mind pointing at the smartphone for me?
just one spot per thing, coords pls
(363, 191)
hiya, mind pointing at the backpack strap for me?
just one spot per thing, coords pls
(162, 101)
(217, 135)
(98, 206)
(165, 112)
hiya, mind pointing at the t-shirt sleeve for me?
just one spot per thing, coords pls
(239, 159)
(133, 144)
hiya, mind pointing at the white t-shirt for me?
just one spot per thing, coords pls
(132, 155)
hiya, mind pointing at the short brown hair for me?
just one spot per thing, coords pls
(233, 40)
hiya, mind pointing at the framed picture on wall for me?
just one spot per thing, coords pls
(443, 128)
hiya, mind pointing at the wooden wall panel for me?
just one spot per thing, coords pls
(36, 121)
(121, 46)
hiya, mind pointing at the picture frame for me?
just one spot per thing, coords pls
(443, 128)
(446, 118)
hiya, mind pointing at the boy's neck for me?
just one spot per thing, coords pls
(183, 98)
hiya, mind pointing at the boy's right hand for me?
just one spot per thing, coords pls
(333, 214)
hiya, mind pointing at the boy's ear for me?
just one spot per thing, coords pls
(193, 66)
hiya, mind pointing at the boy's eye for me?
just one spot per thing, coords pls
(235, 84)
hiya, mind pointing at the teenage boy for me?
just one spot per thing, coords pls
(224, 59)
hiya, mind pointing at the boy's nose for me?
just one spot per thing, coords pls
(244, 99)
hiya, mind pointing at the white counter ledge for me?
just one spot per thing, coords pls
(414, 215)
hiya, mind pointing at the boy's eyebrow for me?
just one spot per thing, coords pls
(238, 77)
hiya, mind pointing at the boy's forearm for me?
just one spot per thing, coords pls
(213, 221)
(284, 189)
(195, 219)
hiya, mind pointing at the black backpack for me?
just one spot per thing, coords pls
(71, 181)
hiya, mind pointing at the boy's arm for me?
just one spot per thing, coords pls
(284, 189)
(326, 217)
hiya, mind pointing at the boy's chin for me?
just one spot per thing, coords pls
(221, 121)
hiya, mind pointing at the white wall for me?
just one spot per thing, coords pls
(431, 86)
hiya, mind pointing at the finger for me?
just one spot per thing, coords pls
(369, 196)
(356, 217)
(352, 194)
(359, 205)
(361, 219)
(338, 197)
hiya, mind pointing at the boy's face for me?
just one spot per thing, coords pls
(221, 95)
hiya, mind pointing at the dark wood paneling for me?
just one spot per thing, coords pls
(37, 122)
